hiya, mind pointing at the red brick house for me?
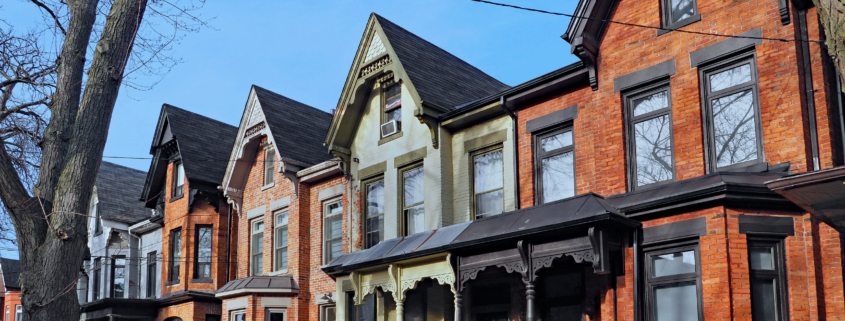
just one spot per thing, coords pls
(656, 179)
(11, 270)
(288, 196)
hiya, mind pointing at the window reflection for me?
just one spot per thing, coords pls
(489, 183)
(682, 9)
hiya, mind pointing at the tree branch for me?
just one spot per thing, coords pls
(56, 19)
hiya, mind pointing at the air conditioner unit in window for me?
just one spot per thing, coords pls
(390, 128)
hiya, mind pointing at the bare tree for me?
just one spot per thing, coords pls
(57, 101)
(832, 19)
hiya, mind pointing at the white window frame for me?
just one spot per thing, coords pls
(323, 309)
(267, 312)
(252, 235)
(326, 217)
(237, 312)
(18, 312)
(277, 229)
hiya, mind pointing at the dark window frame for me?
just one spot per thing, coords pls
(666, 17)
(326, 217)
(652, 282)
(403, 215)
(365, 195)
(384, 85)
(269, 166)
(152, 274)
(98, 220)
(178, 190)
(707, 110)
(630, 136)
(97, 272)
(277, 229)
(539, 156)
(175, 268)
(197, 263)
(779, 275)
(499, 147)
(112, 278)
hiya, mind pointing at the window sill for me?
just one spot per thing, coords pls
(279, 272)
(172, 283)
(390, 138)
(202, 280)
(173, 199)
(268, 186)
(680, 24)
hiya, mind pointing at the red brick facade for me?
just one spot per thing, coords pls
(10, 301)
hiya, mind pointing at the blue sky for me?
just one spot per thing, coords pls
(303, 50)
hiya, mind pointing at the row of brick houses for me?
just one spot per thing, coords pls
(667, 175)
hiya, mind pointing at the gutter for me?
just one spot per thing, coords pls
(809, 93)
(514, 123)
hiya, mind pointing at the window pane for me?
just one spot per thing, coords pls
(734, 128)
(413, 186)
(395, 114)
(258, 226)
(257, 242)
(556, 141)
(335, 227)
(180, 175)
(730, 78)
(281, 259)
(682, 9)
(650, 103)
(277, 316)
(375, 199)
(488, 172)
(673, 263)
(257, 264)
(393, 97)
(204, 250)
(653, 141)
(269, 164)
(239, 317)
(374, 226)
(416, 219)
(763, 304)
(329, 314)
(491, 203)
(335, 208)
(282, 219)
(761, 258)
(675, 302)
(335, 249)
(558, 177)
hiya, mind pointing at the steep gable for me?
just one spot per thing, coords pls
(118, 188)
(203, 142)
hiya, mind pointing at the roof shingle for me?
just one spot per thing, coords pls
(298, 129)
(118, 188)
(11, 273)
(204, 144)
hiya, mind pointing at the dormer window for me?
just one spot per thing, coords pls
(392, 106)
(178, 180)
(679, 13)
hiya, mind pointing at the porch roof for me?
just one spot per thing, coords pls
(573, 213)
(259, 284)
(820, 193)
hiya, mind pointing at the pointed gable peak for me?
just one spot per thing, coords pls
(375, 49)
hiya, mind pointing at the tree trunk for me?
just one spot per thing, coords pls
(52, 245)
(832, 20)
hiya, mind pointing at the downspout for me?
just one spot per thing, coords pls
(514, 122)
(637, 296)
(809, 92)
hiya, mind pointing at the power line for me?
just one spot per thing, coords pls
(644, 26)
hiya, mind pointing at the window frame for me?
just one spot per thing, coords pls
(232, 314)
(326, 226)
(197, 263)
(539, 156)
(707, 109)
(175, 262)
(365, 194)
(384, 84)
(630, 135)
(97, 272)
(269, 311)
(152, 274)
(98, 221)
(252, 255)
(269, 167)
(178, 185)
(666, 16)
(113, 279)
(323, 308)
(779, 275)
(480, 152)
(277, 228)
(652, 282)
(18, 312)
(403, 216)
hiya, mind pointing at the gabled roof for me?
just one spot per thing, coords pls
(203, 143)
(298, 129)
(439, 77)
(11, 273)
(118, 188)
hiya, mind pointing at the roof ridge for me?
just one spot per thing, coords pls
(169, 106)
(381, 18)
(291, 99)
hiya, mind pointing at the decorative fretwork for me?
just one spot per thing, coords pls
(510, 267)
(255, 129)
(375, 65)
(581, 256)
(469, 274)
(544, 262)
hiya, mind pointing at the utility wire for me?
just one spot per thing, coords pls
(644, 26)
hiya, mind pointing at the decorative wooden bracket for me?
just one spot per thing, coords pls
(585, 48)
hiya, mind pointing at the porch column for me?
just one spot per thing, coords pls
(529, 304)
(400, 310)
(458, 301)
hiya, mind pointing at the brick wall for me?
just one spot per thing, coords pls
(190, 311)
(11, 299)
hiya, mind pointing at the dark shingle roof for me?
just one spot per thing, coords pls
(11, 273)
(439, 77)
(298, 129)
(118, 188)
(259, 283)
(204, 144)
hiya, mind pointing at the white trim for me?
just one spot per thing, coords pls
(274, 302)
